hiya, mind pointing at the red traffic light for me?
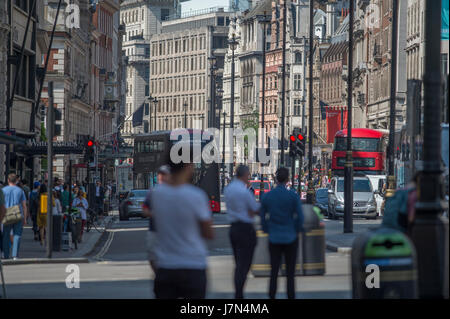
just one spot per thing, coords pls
(292, 137)
(300, 137)
(90, 143)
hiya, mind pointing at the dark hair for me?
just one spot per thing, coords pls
(282, 175)
(242, 170)
(43, 189)
(175, 168)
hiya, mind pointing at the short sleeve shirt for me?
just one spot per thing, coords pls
(177, 212)
(14, 196)
(239, 200)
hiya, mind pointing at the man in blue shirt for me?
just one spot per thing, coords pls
(282, 218)
(14, 195)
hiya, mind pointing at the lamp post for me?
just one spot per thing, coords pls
(348, 169)
(233, 45)
(283, 82)
(310, 191)
(149, 100)
(185, 114)
(264, 20)
(223, 150)
(430, 229)
(155, 102)
(202, 118)
(166, 120)
(219, 94)
(390, 190)
(212, 68)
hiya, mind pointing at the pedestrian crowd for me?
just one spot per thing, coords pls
(20, 206)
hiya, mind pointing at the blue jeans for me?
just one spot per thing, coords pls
(17, 234)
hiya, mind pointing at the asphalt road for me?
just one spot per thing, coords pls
(119, 269)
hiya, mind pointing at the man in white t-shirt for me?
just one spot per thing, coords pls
(183, 221)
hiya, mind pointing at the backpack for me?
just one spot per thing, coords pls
(34, 202)
(396, 210)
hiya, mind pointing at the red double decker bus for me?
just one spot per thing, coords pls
(369, 151)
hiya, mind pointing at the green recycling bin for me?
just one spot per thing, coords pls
(313, 241)
(384, 265)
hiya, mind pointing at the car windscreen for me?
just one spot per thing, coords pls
(359, 186)
(138, 193)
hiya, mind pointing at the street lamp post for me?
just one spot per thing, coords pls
(202, 118)
(264, 20)
(233, 45)
(283, 82)
(310, 192)
(185, 114)
(430, 229)
(219, 95)
(348, 169)
(223, 150)
(150, 99)
(166, 120)
(155, 102)
(212, 68)
(391, 149)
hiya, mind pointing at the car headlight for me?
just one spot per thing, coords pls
(372, 202)
(340, 201)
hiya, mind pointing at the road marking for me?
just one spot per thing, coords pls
(105, 248)
(127, 229)
(221, 226)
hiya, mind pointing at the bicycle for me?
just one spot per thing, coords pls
(92, 220)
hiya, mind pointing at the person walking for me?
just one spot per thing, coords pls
(65, 200)
(14, 196)
(82, 204)
(241, 207)
(183, 221)
(282, 218)
(163, 176)
(2, 215)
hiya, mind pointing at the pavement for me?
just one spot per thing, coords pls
(32, 252)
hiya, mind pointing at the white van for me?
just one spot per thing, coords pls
(374, 180)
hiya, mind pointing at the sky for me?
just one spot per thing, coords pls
(202, 4)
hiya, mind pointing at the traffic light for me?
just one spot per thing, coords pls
(292, 146)
(89, 150)
(301, 141)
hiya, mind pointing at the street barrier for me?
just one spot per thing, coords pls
(384, 265)
(311, 249)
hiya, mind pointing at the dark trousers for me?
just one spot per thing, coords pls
(243, 241)
(289, 251)
(99, 204)
(180, 283)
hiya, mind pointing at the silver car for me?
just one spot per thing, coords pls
(131, 206)
(364, 204)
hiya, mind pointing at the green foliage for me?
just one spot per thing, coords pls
(43, 133)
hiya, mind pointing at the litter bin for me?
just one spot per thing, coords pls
(384, 265)
(66, 241)
(313, 241)
(57, 232)
(261, 258)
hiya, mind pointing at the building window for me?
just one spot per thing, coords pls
(298, 57)
(297, 82)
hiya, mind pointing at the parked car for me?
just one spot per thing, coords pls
(364, 203)
(131, 206)
(256, 186)
(322, 200)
